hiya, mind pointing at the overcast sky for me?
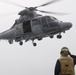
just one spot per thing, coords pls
(39, 60)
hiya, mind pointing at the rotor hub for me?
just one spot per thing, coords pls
(32, 8)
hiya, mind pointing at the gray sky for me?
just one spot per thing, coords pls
(39, 60)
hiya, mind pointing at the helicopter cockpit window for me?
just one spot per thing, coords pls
(50, 19)
(43, 19)
(54, 18)
(36, 22)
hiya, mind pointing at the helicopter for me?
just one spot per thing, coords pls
(31, 25)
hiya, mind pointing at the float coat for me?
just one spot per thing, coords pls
(67, 65)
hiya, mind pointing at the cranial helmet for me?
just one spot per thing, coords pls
(64, 51)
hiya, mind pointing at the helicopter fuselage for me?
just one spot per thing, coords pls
(36, 28)
(31, 26)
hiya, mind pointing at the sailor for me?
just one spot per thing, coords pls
(65, 64)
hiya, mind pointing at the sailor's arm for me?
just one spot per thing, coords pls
(74, 57)
(57, 68)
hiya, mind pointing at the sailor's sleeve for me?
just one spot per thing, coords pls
(57, 68)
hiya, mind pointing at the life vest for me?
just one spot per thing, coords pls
(67, 66)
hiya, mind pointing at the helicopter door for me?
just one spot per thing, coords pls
(26, 26)
(36, 26)
(45, 24)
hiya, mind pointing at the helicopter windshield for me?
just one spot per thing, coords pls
(36, 22)
(51, 19)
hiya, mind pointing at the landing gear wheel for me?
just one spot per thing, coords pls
(59, 36)
(34, 44)
(10, 41)
(51, 36)
(20, 43)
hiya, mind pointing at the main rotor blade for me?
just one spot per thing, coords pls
(50, 2)
(7, 14)
(56, 13)
(12, 3)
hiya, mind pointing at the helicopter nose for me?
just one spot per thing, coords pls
(65, 25)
